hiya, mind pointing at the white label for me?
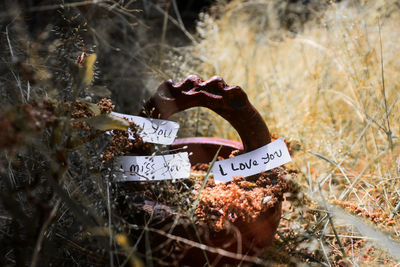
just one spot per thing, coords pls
(153, 130)
(262, 159)
(149, 168)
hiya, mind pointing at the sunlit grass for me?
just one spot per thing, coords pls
(328, 87)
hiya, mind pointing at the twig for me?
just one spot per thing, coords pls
(306, 256)
(133, 250)
(310, 189)
(45, 225)
(376, 236)
(219, 251)
(199, 238)
(331, 162)
(165, 24)
(86, 252)
(9, 45)
(11, 177)
(178, 15)
(331, 223)
(174, 21)
(149, 261)
(19, 85)
(396, 209)
(389, 132)
(345, 192)
(196, 202)
(347, 154)
(324, 252)
(109, 224)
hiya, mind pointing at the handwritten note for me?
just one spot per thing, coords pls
(149, 168)
(153, 130)
(262, 159)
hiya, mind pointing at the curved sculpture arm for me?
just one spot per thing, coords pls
(230, 102)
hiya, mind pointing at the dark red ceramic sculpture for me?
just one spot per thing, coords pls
(232, 104)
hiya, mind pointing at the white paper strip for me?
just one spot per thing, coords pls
(153, 130)
(149, 168)
(262, 159)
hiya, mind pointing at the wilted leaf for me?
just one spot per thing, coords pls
(105, 122)
(86, 73)
(93, 108)
(100, 91)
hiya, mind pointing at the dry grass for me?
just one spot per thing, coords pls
(333, 87)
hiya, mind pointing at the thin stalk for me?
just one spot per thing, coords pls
(331, 223)
(214, 250)
(176, 23)
(199, 239)
(149, 261)
(196, 202)
(42, 233)
(165, 23)
(178, 15)
(388, 131)
(110, 224)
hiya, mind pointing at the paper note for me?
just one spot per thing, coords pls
(153, 130)
(149, 168)
(262, 159)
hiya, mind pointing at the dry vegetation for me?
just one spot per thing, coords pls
(331, 86)
(322, 74)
